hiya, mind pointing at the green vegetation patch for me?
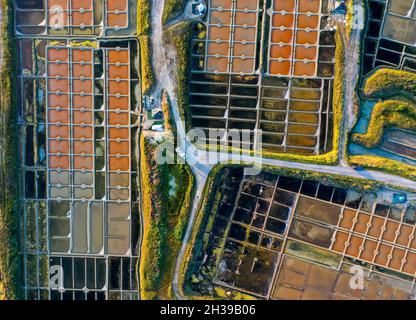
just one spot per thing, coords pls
(399, 111)
(196, 243)
(173, 8)
(143, 32)
(384, 83)
(166, 199)
(181, 36)
(167, 114)
(9, 199)
(385, 115)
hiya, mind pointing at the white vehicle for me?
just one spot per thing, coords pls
(181, 153)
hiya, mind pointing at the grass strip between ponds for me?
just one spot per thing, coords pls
(182, 36)
(144, 26)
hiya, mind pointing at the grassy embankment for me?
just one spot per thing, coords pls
(167, 192)
(173, 8)
(398, 113)
(9, 266)
(208, 207)
(349, 18)
(387, 114)
(143, 33)
(385, 165)
(182, 36)
(339, 181)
